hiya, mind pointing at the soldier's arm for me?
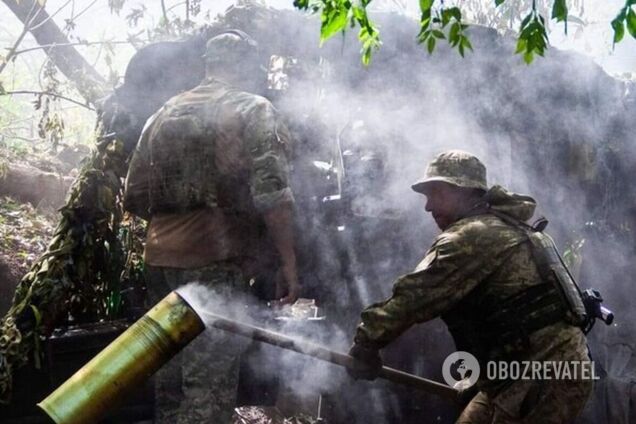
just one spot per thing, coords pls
(136, 192)
(449, 271)
(279, 221)
(268, 144)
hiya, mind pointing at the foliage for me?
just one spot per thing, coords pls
(51, 124)
(533, 37)
(438, 22)
(336, 14)
(434, 28)
(625, 18)
(79, 275)
(509, 14)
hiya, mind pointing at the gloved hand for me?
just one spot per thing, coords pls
(367, 364)
(465, 393)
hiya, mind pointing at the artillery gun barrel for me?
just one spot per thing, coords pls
(322, 353)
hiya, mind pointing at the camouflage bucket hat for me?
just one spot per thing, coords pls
(454, 167)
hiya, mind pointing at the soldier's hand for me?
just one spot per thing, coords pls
(465, 393)
(292, 294)
(367, 363)
(289, 290)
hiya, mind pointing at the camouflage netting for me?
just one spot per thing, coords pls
(531, 118)
(75, 274)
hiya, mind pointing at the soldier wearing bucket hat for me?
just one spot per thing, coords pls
(486, 276)
(454, 167)
(455, 181)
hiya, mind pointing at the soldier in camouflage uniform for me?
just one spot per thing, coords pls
(485, 278)
(210, 174)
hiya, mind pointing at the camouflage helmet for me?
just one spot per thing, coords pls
(229, 45)
(454, 167)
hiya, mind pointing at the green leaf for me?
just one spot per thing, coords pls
(560, 10)
(370, 38)
(423, 36)
(453, 34)
(528, 57)
(446, 16)
(2, 90)
(499, 2)
(425, 22)
(455, 13)
(431, 45)
(366, 56)
(525, 21)
(438, 34)
(358, 13)
(619, 29)
(522, 44)
(533, 39)
(631, 22)
(301, 4)
(426, 5)
(332, 22)
(461, 50)
(466, 43)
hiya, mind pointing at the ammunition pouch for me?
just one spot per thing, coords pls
(509, 324)
(552, 268)
(524, 313)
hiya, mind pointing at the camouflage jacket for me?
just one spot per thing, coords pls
(472, 268)
(210, 146)
(208, 164)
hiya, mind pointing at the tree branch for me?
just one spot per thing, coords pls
(78, 43)
(49, 93)
(81, 12)
(25, 30)
(67, 59)
(50, 16)
(163, 10)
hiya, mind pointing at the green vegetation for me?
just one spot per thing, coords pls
(439, 22)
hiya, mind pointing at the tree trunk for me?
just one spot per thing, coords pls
(68, 60)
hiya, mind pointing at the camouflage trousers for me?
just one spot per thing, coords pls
(199, 384)
(530, 402)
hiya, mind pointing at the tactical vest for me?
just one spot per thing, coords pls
(499, 330)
